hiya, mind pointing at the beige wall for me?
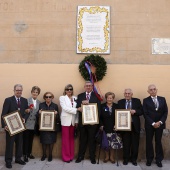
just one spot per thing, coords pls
(44, 31)
(54, 77)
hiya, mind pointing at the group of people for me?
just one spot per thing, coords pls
(154, 110)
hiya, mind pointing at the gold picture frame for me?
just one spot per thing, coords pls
(47, 120)
(90, 114)
(14, 122)
(122, 120)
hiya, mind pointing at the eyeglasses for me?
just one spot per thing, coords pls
(48, 97)
(18, 90)
(152, 89)
(69, 89)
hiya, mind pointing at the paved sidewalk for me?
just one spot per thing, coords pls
(57, 164)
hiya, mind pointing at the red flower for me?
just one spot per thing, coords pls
(31, 106)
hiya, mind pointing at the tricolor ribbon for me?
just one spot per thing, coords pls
(92, 79)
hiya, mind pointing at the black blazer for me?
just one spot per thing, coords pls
(151, 115)
(106, 119)
(136, 105)
(10, 105)
(93, 99)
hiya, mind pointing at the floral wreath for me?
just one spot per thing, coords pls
(93, 65)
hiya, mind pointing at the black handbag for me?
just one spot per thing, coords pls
(58, 123)
(76, 132)
(36, 127)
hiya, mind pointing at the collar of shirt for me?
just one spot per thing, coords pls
(128, 101)
(17, 98)
(88, 94)
(154, 97)
(34, 102)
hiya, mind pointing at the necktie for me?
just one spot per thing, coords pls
(18, 103)
(155, 102)
(87, 96)
(128, 104)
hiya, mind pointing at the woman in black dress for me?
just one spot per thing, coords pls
(48, 138)
(107, 123)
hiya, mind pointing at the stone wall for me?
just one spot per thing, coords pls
(44, 31)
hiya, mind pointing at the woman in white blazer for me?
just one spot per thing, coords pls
(69, 120)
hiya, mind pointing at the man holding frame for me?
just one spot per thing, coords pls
(88, 131)
(131, 138)
(11, 104)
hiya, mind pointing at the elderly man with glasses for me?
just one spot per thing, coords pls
(11, 104)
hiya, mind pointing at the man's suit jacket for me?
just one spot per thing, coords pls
(93, 99)
(151, 114)
(10, 105)
(31, 117)
(68, 113)
(136, 105)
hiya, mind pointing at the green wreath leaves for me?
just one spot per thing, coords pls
(99, 64)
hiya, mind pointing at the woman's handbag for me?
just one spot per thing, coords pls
(116, 141)
(58, 123)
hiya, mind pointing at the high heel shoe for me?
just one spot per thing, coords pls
(50, 158)
(112, 161)
(31, 156)
(106, 160)
(43, 158)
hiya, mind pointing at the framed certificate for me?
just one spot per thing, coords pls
(14, 122)
(123, 119)
(90, 114)
(47, 120)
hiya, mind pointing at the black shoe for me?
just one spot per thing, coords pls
(43, 157)
(31, 156)
(67, 161)
(21, 162)
(50, 158)
(159, 164)
(93, 161)
(79, 159)
(134, 163)
(125, 162)
(8, 165)
(25, 158)
(148, 163)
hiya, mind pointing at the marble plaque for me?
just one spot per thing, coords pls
(160, 45)
(93, 29)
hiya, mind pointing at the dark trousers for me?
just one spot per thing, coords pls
(130, 144)
(10, 144)
(28, 136)
(150, 132)
(87, 137)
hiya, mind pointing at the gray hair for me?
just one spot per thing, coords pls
(128, 89)
(18, 85)
(88, 82)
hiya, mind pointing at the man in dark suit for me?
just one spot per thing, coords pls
(155, 113)
(131, 138)
(87, 132)
(12, 104)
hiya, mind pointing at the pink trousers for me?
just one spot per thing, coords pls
(67, 143)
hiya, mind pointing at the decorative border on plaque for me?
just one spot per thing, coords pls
(14, 122)
(99, 10)
(90, 114)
